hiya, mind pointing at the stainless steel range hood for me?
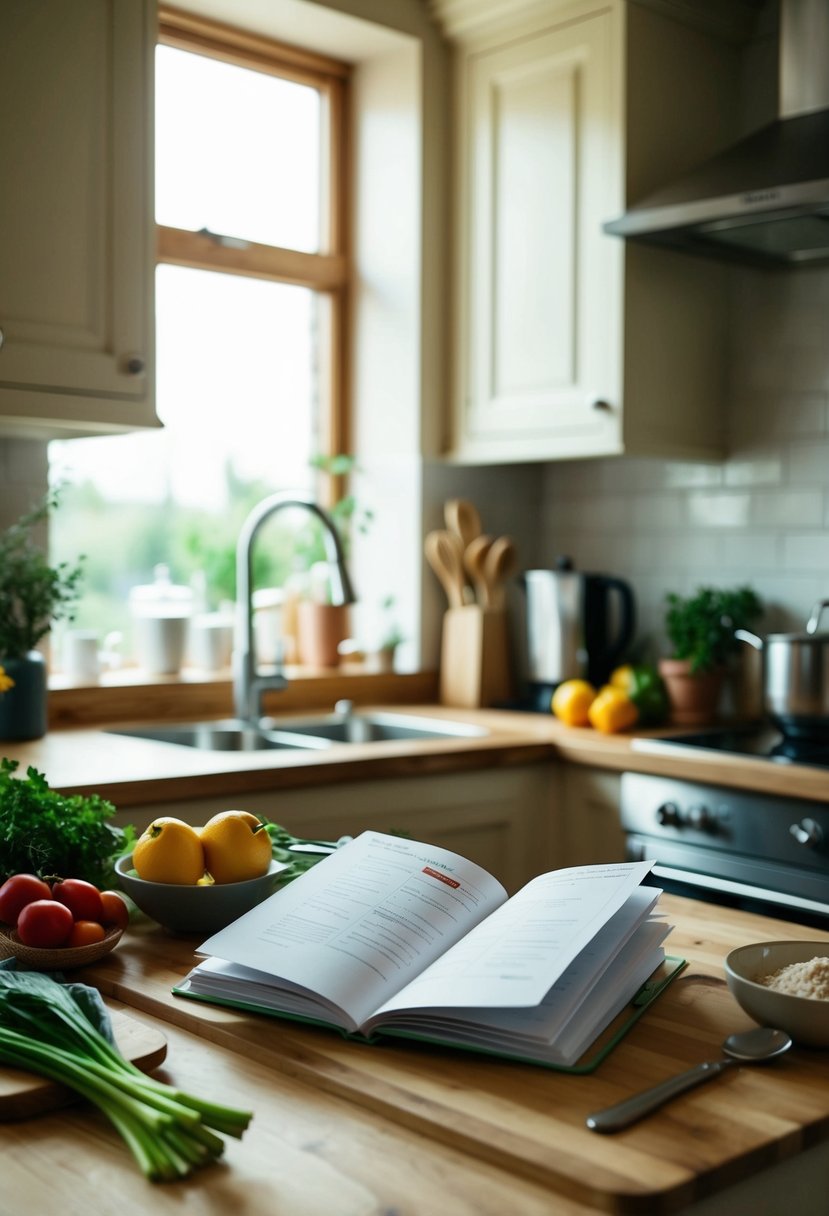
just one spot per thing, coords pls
(765, 200)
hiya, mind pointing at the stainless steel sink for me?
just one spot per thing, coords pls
(357, 727)
(226, 736)
(308, 732)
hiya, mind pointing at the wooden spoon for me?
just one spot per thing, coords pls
(474, 558)
(463, 519)
(499, 564)
(444, 553)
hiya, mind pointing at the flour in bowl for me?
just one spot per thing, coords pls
(809, 979)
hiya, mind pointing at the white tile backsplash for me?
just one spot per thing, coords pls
(762, 515)
(718, 510)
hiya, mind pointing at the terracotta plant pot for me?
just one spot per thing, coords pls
(320, 629)
(694, 696)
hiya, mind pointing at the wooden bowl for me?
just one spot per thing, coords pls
(63, 959)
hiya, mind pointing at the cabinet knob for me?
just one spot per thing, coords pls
(601, 406)
(135, 365)
(668, 815)
(808, 833)
(2, 339)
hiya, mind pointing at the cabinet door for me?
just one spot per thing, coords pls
(591, 826)
(76, 216)
(504, 820)
(540, 281)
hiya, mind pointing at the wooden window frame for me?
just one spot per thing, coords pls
(327, 272)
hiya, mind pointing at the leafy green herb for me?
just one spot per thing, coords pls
(282, 842)
(298, 863)
(701, 627)
(33, 594)
(42, 832)
(44, 1030)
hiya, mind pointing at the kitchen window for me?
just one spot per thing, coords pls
(251, 294)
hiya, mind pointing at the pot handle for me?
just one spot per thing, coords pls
(743, 635)
(814, 619)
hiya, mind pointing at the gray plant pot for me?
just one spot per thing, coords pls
(23, 706)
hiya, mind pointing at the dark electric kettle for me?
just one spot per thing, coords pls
(578, 626)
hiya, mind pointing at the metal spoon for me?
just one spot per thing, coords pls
(749, 1047)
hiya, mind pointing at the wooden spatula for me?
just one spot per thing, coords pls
(444, 553)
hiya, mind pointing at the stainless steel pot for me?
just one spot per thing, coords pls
(796, 677)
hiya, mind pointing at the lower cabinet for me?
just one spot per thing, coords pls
(504, 819)
(590, 824)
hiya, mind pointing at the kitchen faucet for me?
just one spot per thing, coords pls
(248, 683)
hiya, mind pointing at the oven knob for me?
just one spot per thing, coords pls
(700, 817)
(808, 833)
(668, 815)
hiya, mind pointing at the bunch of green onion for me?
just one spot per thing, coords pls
(44, 1029)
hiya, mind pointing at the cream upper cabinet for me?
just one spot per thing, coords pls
(541, 356)
(76, 216)
(569, 343)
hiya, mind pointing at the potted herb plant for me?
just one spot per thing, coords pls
(33, 595)
(700, 629)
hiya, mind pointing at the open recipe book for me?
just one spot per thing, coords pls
(389, 936)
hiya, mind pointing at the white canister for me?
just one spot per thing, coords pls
(80, 653)
(161, 614)
(83, 658)
(211, 641)
(268, 625)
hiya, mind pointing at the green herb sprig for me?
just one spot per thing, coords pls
(44, 832)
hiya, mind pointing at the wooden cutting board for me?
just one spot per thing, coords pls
(24, 1094)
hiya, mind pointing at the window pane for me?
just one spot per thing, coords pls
(237, 371)
(237, 152)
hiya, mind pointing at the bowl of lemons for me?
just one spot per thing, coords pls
(199, 879)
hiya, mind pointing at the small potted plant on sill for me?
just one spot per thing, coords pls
(391, 637)
(701, 630)
(33, 595)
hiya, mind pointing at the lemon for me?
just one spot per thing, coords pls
(169, 850)
(236, 846)
(571, 702)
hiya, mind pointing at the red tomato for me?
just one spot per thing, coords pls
(45, 923)
(85, 932)
(18, 891)
(116, 911)
(81, 898)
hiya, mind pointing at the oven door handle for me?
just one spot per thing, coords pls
(707, 882)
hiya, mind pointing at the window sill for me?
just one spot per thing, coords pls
(130, 695)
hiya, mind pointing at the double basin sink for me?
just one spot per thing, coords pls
(309, 733)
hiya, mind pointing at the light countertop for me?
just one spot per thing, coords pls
(341, 1127)
(130, 771)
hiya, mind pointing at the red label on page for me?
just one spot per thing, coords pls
(450, 882)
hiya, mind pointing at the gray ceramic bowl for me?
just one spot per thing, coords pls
(804, 1018)
(186, 909)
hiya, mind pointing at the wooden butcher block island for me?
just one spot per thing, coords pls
(486, 1135)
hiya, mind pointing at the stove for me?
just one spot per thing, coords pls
(766, 853)
(759, 742)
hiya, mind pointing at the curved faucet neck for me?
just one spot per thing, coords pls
(248, 685)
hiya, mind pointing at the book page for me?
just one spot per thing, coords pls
(360, 924)
(514, 958)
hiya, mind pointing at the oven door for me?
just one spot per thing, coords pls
(768, 889)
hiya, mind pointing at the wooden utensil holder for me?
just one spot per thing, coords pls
(474, 662)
